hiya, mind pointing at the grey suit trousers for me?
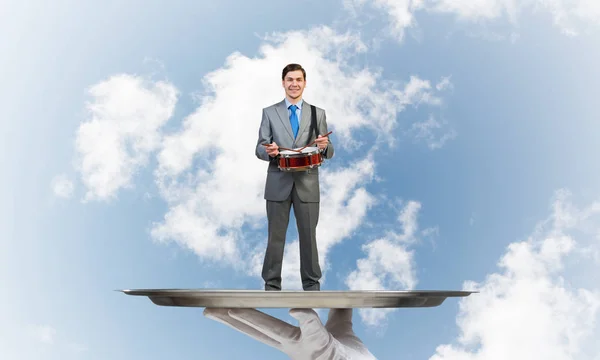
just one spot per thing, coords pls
(307, 217)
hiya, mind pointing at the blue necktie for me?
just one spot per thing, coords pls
(294, 120)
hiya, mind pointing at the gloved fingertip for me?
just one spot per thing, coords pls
(303, 314)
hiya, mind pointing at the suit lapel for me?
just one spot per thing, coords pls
(285, 120)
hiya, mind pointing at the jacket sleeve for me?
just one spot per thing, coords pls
(328, 152)
(265, 136)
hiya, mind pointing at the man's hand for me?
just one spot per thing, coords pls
(310, 341)
(272, 149)
(322, 141)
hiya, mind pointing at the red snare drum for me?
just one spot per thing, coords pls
(309, 158)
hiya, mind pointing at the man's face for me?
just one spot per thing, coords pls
(294, 84)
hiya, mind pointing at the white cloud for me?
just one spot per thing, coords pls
(531, 309)
(418, 91)
(588, 10)
(125, 116)
(44, 334)
(389, 264)
(444, 84)
(62, 186)
(432, 132)
(474, 10)
(401, 11)
(570, 16)
(386, 263)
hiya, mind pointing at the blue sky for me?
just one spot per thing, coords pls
(466, 141)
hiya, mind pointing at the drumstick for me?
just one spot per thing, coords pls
(282, 148)
(312, 143)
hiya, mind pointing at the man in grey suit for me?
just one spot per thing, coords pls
(287, 124)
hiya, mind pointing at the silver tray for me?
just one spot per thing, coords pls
(296, 298)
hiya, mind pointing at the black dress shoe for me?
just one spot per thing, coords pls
(315, 287)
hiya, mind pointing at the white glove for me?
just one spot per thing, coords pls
(311, 341)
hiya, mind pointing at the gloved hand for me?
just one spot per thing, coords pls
(311, 341)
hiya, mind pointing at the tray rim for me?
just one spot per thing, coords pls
(299, 293)
(244, 298)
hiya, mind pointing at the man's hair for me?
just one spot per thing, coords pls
(292, 67)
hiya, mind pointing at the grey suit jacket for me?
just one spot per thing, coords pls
(275, 127)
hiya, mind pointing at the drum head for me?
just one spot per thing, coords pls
(288, 152)
(308, 150)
